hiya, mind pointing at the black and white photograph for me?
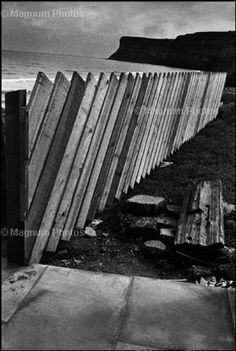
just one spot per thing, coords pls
(118, 175)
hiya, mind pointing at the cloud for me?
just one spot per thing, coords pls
(101, 24)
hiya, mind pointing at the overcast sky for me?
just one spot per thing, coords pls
(94, 28)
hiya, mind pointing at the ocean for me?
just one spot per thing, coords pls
(19, 69)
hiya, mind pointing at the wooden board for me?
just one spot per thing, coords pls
(128, 111)
(103, 176)
(171, 114)
(15, 128)
(46, 132)
(104, 148)
(146, 125)
(65, 167)
(53, 162)
(201, 218)
(37, 105)
(167, 117)
(80, 157)
(137, 134)
(92, 154)
(129, 136)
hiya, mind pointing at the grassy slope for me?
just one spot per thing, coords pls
(208, 155)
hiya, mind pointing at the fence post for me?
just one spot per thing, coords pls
(16, 144)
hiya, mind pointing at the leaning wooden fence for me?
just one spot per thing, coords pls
(89, 141)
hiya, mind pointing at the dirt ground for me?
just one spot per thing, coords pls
(209, 155)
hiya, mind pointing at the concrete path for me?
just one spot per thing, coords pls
(54, 308)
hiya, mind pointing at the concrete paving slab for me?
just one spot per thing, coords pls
(177, 315)
(69, 309)
(16, 287)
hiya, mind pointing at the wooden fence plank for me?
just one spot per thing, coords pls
(52, 163)
(156, 102)
(48, 126)
(163, 112)
(15, 127)
(104, 147)
(80, 159)
(175, 119)
(126, 146)
(65, 167)
(167, 117)
(128, 111)
(141, 122)
(159, 119)
(103, 176)
(172, 115)
(92, 154)
(37, 105)
(185, 110)
(147, 122)
(192, 118)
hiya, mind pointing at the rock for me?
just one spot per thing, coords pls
(62, 252)
(166, 164)
(228, 208)
(167, 221)
(154, 247)
(77, 261)
(144, 205)
(105, 235)
(96, 222)
(144, 226)
(170, 232)
(90, 232)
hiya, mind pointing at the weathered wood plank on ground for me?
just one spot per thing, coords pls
(201, 219)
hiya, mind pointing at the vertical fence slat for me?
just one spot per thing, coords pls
(92, 154)
(103, 176)
(80, 157)
(65, 166)
(142, 112)
(118, 150)
(52, 163)
(37, 105)
(104, 147)
(147, 121)
(16, 136)
(48, 126)
(127, 141)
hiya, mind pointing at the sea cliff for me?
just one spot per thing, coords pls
(207, 51)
